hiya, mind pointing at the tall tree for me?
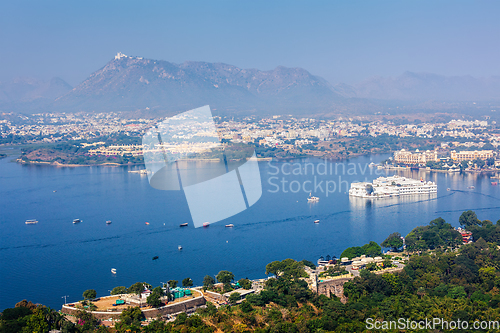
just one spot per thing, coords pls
(89, 294)
(208, 282)
(469, 218)
(187, 282)
(394, 241)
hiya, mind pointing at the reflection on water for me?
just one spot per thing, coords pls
(363, 203)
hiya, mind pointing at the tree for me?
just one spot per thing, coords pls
(469, 218)
(246, 307)
(480, 163)
(89, 294)
(136, 288)
(225, 277)
(369, 188)
(187, 282)
(234, 297)
(130, 318)
(387, 263)
(172, 283)
(394, 241)
(119, 290)
(245, 283)
(158, 290)
(37, 322)
(208, 282)
(154, 300)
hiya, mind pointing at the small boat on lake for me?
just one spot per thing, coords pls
(494, 183)
(183, 225)
(31, 222)
(113, 270)
(108, 222)
(155, 257)
(229, 225)
(317, 221)
(206, 224)
(75, 221)
(147, 223)
(471, 187)
(179, 247)
(312, 198)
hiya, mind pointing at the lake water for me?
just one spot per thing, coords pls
(55, 257)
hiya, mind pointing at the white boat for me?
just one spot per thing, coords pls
(31, 222)
(113, 270)
(229, 225)
(108, 222)
(206, 224)
(317, 221)
(179, 247)
(312, 198)
(75, 221)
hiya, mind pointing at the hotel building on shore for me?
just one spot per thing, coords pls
(417, 158)
(471, 155)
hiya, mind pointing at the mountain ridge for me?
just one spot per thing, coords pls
(128, 83)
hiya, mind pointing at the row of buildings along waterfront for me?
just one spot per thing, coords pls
(421, 158)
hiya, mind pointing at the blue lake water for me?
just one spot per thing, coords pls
(55, 257)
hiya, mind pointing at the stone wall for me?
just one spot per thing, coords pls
(184, 306)
(333, 287)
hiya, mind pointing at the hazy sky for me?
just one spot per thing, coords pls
(342, 41)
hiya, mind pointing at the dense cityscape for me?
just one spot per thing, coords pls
(101, 138)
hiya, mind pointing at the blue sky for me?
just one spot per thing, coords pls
(342, 41)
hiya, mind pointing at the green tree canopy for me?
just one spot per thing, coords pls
(225, 277)
(119, 290)
(154, 300)
(371, 249)
(136, 288)
(208, 282)
(245, 283)
(89, 294)
(187, 282)
(394, 241)
(234, 297)
(469, 218)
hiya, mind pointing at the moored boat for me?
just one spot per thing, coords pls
(229, 225)
(312, 198)
(206, 224)
(155, 257)
(31, 222)
(183, 225)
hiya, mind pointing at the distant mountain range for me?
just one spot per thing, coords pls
(426, 86)
(134, 84)
(31, 94)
